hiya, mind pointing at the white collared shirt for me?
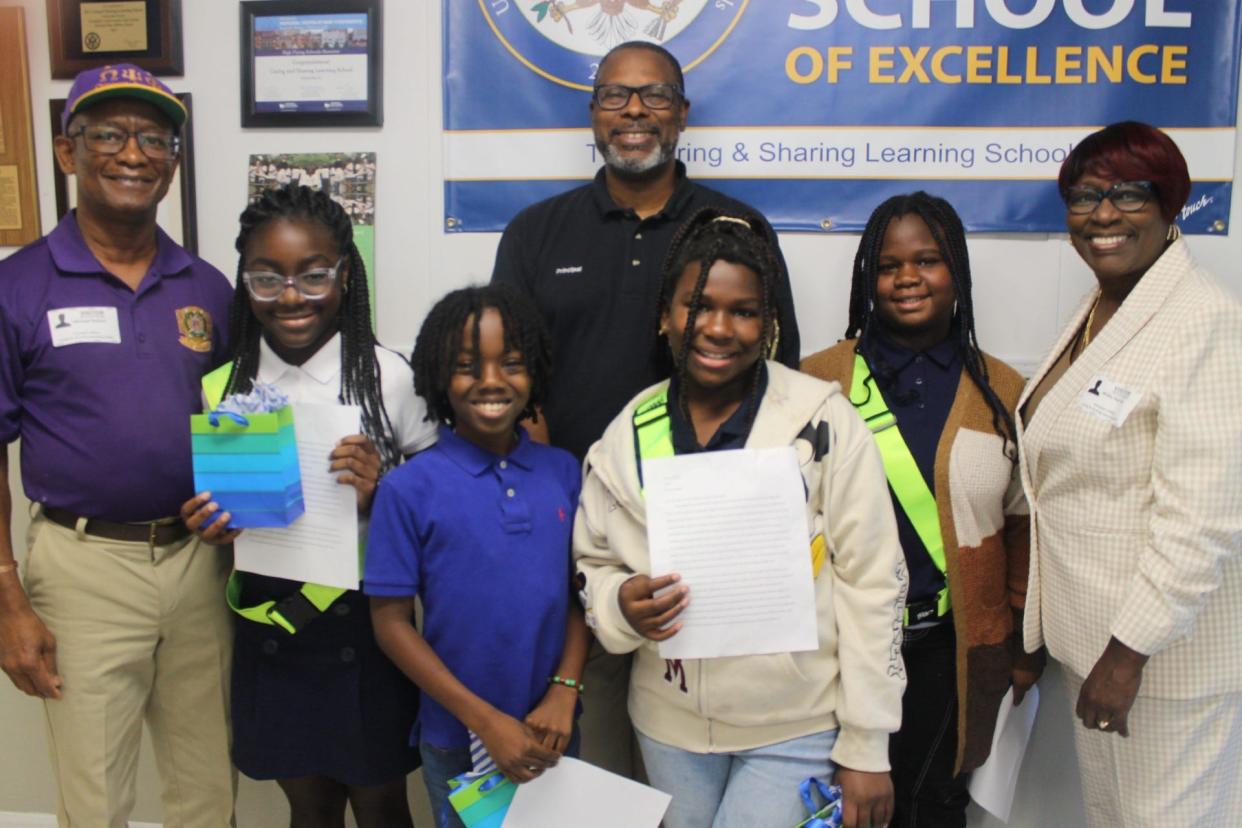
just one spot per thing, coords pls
(318, 380)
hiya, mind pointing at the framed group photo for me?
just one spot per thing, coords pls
(176, 215)
(86, 33)
(315, 63)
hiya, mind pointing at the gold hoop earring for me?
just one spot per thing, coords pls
(1174, 233)
(776, 339)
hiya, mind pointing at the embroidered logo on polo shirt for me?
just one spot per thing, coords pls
(566, 271)
(195, 326)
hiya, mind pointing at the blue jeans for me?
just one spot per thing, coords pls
(745, 789)
(442, 764)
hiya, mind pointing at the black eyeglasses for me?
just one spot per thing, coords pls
(1126, 196)
(614, 96)
(109, 140)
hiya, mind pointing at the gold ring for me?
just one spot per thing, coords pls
(1103, 724)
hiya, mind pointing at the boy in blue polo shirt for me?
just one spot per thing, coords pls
(478, 528)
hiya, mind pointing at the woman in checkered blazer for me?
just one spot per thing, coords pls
(1132, 463)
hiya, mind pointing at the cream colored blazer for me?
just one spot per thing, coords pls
(1136, 515)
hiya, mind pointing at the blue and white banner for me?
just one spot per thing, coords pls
(814, 111)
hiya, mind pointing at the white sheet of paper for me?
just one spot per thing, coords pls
(733, 525)
(994, 783)
(575, 793)
(321, 546)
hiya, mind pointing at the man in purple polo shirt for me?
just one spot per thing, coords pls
(106, 326)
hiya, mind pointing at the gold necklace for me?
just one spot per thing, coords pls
(1086, 331)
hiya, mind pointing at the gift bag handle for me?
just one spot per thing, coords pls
(214, 418)
(830, 794)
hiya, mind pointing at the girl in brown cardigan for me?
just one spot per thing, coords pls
(911, 340)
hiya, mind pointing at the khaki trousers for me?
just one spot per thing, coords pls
(1181, 766)
(142, 633)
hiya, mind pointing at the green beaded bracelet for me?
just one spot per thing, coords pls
(572, 684)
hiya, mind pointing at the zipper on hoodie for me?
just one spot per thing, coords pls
(711, 725)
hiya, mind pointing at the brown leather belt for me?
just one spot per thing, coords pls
(157, 533)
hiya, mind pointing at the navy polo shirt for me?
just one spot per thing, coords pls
(104, 425)
(732, 433)
(594, 269)
(925, 383)
(484, 542)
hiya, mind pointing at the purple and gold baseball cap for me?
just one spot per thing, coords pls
(121, 80)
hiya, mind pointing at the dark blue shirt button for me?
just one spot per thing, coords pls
(142, 337)
(270, 647)
(347, 654)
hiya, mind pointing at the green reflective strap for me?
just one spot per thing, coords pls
(653, 432)
(320, 597)
(214, 383)
(903, 474)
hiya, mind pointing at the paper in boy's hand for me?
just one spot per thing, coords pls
(575, 793)
(733, 525)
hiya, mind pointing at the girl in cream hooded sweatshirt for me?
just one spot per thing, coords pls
(730, 738)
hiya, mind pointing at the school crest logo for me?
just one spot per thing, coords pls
(194, 323)
(563, 40)
(602, 24)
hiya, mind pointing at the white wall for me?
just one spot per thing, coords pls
(1025, 286)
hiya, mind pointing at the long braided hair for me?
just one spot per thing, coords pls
(440, 341)
(360, 371)
(709, 236)
(946, 228)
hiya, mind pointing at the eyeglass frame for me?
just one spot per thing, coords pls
(334, 270)
(1145, 186)
(637, 90)
(174, 140)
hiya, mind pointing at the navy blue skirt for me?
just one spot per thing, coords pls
(323, 702)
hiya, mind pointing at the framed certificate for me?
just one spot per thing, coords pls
(176, 215)
(311, 63)
(19, 200)
(87, 33)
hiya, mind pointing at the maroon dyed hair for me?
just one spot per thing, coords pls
(1131, 151)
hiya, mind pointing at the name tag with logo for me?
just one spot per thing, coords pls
(1108, 400)
(74, 326)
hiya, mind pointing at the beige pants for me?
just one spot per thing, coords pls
(141, 632)
(608, 739)
(1180, 766)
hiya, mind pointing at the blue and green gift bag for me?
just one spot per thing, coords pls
(481, 801)
(827, 815)
(249, 463)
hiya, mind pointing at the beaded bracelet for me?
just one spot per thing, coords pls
(572, 684)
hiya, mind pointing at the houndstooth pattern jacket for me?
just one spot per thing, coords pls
(1136, 523)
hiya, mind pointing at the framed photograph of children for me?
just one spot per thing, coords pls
(86, 33)
(176, 215)
(311, 63)
(19, 198)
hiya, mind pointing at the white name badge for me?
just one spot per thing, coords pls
(1109, 401)
(74, 326)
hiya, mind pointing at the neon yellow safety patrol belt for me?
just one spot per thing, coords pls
(903, 474)
(653, 439)
(297, 610)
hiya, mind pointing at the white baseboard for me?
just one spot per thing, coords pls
(8, 819)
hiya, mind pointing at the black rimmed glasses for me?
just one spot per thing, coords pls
(314, 285)
(1126, 196)
(614, 96)
(158, 145)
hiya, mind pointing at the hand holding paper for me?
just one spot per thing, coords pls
(653, 616)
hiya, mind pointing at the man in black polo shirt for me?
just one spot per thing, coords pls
(591, 259)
